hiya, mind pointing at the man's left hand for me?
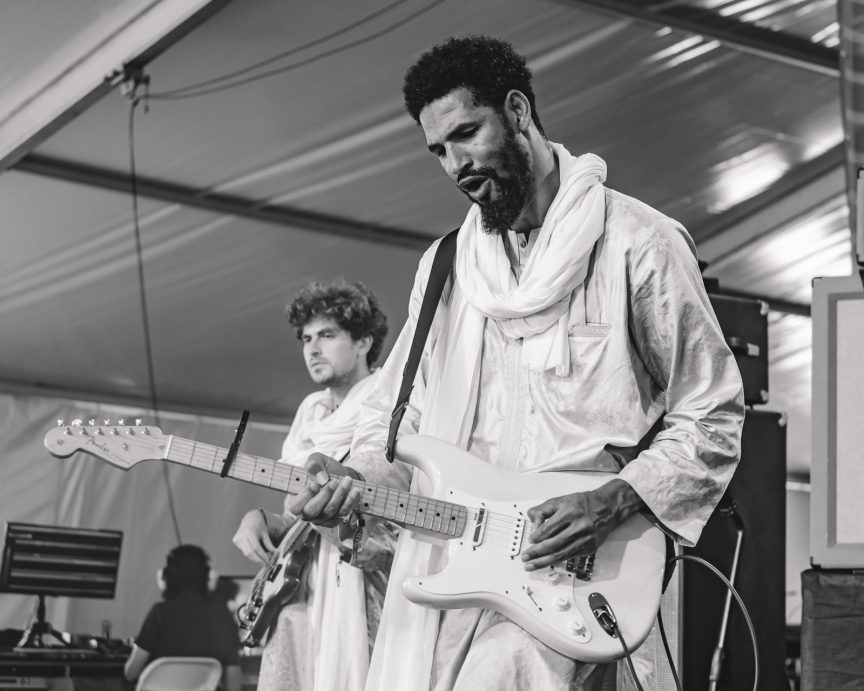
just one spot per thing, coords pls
(577, 524)
(329, 496)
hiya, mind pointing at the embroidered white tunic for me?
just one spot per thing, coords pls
(643, 340)
(321, 639)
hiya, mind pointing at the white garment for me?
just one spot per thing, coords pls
(333, 636)
(535, 307)
(642, 338)
(321, 425)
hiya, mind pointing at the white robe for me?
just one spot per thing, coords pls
(320, 641)
(643, 340)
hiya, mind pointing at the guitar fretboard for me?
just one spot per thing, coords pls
(411, 510)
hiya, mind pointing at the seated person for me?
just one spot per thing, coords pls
(188, 623)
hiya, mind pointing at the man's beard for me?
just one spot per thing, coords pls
(498, 215)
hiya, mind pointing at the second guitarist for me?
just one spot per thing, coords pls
(320, 639)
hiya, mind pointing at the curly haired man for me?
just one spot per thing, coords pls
(321, 639)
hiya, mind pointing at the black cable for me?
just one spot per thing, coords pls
(154, 403)
(287, 68)
(716, 572)
(668, 651)
(627, 653)
(279, 56)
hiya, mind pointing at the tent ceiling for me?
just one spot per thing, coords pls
(686, 123)
(77, 57)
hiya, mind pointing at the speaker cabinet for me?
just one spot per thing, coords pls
(757, 496)
(744, 324)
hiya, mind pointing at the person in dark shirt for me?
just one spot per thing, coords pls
(188, 622)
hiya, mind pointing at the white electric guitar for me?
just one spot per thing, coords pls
(479, 514)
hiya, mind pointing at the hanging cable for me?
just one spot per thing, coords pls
(134, 82)
(193, 93)
(279, 56)
(668, 651)
(743, 608)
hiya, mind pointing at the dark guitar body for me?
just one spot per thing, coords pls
(262, 609)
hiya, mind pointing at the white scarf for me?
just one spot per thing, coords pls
(332, 433)
(485, 288)
(536, 308)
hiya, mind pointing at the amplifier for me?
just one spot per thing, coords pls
(745, 325)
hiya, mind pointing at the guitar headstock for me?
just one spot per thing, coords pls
(119, 444)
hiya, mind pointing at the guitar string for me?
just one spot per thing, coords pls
(499, 529)
(497, 525)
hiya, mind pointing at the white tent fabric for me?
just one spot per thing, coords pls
(84, 492)
(686, 123)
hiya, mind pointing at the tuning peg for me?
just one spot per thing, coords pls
(76, 422)
(107, 422)
(121, 422)
(92, 422)
(138, 421)
(60, 423)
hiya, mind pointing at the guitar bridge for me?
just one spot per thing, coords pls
(582, 567)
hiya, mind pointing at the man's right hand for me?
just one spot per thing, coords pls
(253, 538)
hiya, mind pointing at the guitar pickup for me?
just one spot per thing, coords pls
(274, 572)
(479, 527)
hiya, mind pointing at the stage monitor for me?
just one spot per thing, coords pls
(50, 560)
(837, 414)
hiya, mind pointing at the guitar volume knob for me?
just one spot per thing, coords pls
(562, 604)
(576, 628)
(552, 577)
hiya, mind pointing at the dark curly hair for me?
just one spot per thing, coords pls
(187, 569)
(488, 67)
(352, 306)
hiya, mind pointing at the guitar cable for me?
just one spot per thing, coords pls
(602, 611)
(716, 572)
(668, 651)
(605, 616)
(133, 81)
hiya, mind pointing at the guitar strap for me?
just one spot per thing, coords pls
(441, 265)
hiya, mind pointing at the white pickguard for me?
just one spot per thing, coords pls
(551, 603)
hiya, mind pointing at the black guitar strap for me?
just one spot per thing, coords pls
(441, 266)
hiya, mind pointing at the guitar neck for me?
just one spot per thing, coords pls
(442, 518)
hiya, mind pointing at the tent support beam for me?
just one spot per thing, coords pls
(775, 304)
(233, 205)
(751, 38)
(95, 63)
(798, 193)
(280, 215)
